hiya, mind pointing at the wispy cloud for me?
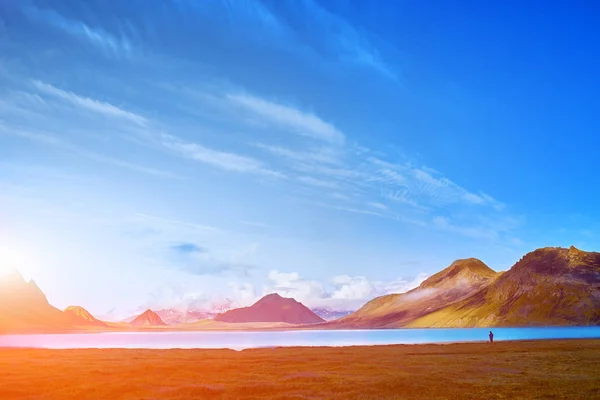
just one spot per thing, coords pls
(155, 220)
(353, 44)
(300, 122)
(378, 206)
(51, 140)
(255, 224)
(96, 106)
(309, 180)
(108, 43)
(325, 155)
(364, 182)
(225, 160)
(332, 34)
(372, 211)
(407, 183)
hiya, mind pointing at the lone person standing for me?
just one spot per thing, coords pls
(491, 337)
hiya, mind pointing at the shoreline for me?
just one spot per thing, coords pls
(300, 347)
(250, 328)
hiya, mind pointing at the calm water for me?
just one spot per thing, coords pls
(245, 340)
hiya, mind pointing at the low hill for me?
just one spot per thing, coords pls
(272, 308)
(85, 315)
(148, 318)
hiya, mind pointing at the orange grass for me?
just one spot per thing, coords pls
(505, 370)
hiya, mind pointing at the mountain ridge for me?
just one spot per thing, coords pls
(547, 286)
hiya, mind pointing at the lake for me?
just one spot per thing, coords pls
(244, 340)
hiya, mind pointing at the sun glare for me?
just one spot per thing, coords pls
(10, 261)
(5, 268)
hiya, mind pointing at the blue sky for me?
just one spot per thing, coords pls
(180, 153)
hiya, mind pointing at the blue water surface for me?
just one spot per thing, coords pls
(244, 340)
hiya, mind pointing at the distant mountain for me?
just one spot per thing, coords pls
(24, 308)
(550, 286)
(172, 316)
(272, 308)
(460, 280)
(330, 315)
(84, 314)
(148, 318)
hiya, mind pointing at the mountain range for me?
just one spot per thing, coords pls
(24, 308)
(549, 286)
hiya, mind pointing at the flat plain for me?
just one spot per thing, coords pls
(566, 369)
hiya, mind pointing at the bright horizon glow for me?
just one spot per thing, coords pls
(316, 149)
(8, 262)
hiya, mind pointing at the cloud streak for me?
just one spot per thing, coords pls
(51, 140)
(106, 42)
(224, 160)
(300, 122)
(103, 108)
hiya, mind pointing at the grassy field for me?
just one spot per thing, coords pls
(504, 370)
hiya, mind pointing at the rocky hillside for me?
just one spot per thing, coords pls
(455, 283)
(549, 286)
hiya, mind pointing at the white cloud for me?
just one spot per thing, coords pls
(108, 43)
(420, 188)
(342, 293)
(291, 284)
(473, 198)
(221, 159)
(244, 294)
(153, 221)
(176, 297)
(325, 155)
(352, 288)
(379, 206)
(96, 106)
(302, 123)
(400, 285)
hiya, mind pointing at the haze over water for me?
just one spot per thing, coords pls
(246, 340)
